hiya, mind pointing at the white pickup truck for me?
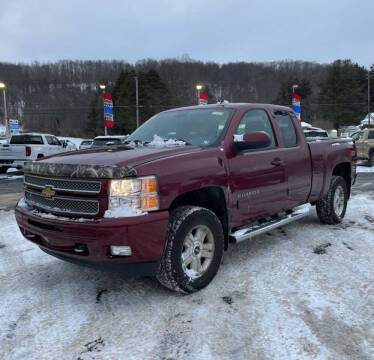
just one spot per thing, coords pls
(27, 147)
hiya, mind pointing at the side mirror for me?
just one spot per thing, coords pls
(64, 144)
(252, 140)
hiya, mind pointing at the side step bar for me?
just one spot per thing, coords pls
(254, 230)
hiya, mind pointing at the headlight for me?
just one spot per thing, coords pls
(137, 193)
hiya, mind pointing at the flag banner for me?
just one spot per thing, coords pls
(108, 110)
(203, 99)
(108, 120)
(296, 104)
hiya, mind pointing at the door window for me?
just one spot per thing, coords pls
(49, 140)
(371, 134)
(56, 141)
(287, 128)
(256, 120)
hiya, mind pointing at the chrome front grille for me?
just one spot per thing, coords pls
(81, 186)
(62, 205)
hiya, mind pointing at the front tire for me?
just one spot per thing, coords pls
(332, 207)
(193, 249)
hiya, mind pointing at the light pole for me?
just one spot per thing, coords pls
(137, 101)
(102, 87)
(198, 88)
(2, 86)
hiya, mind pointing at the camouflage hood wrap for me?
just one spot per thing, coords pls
(79, 171)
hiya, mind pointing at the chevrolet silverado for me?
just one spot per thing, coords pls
(185, 185)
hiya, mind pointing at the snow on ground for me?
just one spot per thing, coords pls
(365, 169)
(305, 291)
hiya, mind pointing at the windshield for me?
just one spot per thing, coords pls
(105, 142)
(201, 127)
(26, 139)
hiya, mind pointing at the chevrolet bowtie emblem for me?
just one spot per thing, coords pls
(48, 192)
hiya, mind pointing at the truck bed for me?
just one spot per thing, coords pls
(325, 153)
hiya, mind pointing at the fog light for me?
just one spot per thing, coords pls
(120, 250)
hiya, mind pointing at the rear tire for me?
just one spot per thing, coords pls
(193, 249)
(332, 207)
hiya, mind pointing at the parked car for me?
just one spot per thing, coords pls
(100, 141)
(27, 147)
(313, 132)
(3, 140)
(170, 202)
(345, 131)
(365, 145)
(69, 145)
(85, 144)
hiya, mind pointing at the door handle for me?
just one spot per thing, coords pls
(277, 162)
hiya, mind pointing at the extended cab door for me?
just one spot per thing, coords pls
(295, 152)
(257, 177)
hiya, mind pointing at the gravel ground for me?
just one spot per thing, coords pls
(305, 291)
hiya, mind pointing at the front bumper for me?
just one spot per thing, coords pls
(144, 234)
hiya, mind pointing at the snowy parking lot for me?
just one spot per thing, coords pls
(305, 291)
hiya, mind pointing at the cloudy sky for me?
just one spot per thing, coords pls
(207, 30)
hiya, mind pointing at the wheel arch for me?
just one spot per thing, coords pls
(344, 170)
(210, 197)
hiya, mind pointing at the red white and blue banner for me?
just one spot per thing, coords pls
(296, 104)
(203, 99)
(108, 110)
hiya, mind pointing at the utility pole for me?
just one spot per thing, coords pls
(369, 115)
(137, 101)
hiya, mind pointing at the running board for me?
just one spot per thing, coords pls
(254, 230)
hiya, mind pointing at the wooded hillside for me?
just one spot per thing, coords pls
(62, 97)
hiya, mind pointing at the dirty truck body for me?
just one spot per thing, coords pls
(257, 173)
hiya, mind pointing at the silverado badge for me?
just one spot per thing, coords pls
(48, 192)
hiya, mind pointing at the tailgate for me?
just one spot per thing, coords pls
(12, 152)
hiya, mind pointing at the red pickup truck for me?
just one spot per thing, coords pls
(185, 184)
